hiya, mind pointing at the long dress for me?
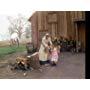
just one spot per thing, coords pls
(43, 56)
(54, 55)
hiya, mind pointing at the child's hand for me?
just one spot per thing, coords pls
(51, 47)
(59, 47)
(58, 52)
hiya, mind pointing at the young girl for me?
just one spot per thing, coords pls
(55, 54)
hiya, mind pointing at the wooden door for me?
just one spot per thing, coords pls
(81, 33)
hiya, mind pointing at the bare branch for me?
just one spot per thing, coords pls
(17, 24)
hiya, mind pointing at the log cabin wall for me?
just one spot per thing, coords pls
(62, 25)
(78, 26)
(34, 28)
(70, 31)
(42, 25)
(52, 23)
(57, 23)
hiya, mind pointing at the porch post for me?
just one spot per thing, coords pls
(76, 37)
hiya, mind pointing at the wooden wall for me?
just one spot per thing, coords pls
(34, 28)
(58, 24)
(62, 24)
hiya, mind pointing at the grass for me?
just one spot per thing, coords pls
(6, 50)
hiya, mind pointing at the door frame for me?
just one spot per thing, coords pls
(77, 31)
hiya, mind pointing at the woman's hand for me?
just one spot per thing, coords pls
(48, 47)
(46, 50)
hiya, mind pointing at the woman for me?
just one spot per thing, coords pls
(44, 49)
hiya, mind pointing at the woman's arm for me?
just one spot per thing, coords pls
(49, 39)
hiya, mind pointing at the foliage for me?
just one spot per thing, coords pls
(28, 32)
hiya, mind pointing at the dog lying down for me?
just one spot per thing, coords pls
(24, 63)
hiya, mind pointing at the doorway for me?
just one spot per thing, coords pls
(81, 33)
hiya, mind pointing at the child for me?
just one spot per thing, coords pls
(55, 54)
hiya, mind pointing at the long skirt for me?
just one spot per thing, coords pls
(43, 56)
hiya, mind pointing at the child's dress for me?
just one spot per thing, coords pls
(54, 55)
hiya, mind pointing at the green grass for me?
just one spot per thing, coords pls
(6, 50)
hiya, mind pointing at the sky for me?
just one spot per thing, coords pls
(3, 27)
(12, 8)
(4, 24)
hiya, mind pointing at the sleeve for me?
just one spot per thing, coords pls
(50, 41)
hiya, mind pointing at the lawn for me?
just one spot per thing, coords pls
(6, 50)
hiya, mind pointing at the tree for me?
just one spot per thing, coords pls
(17, 24)
(28, 31)
(11, 30)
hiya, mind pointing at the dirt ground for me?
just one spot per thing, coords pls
(70, 66)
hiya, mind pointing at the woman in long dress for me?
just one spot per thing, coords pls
(44, 49)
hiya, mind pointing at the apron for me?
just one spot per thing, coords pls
(43, 56)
